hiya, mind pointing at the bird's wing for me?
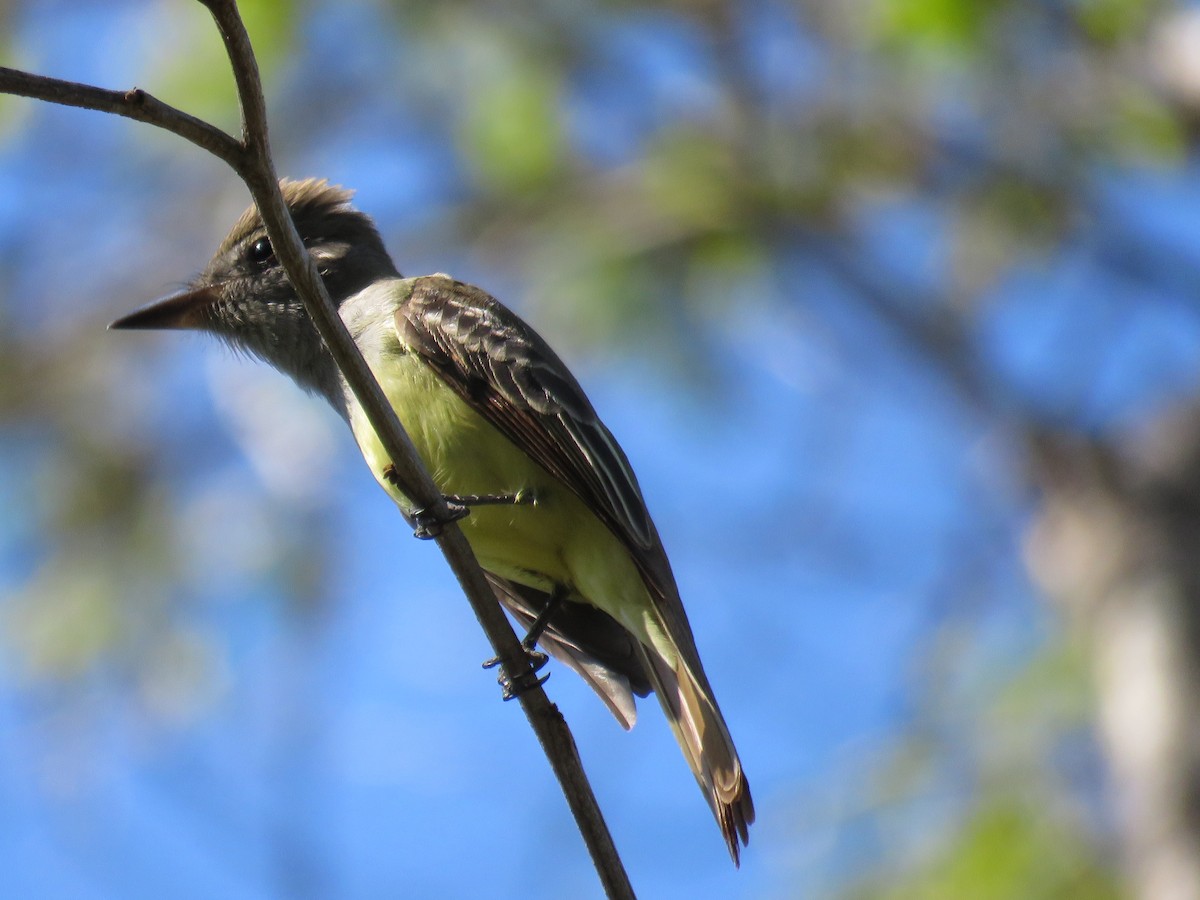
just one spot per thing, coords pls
(511, 377)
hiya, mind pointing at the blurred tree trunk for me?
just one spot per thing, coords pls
(1117, 544)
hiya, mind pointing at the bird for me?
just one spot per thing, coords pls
(549, 502)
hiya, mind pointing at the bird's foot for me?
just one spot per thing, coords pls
(430, 525)
(536, 659)
(527, 680)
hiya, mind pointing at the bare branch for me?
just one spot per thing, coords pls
(251, 159)
(246, 76)
(132, 104)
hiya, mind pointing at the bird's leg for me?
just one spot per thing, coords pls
(538, 627)
(429, 525)
(516, 686)
(469, 500)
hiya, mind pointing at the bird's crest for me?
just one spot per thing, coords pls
(309, 199)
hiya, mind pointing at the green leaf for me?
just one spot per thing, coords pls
(512, 140)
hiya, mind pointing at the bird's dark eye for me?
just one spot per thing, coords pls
(260, 251)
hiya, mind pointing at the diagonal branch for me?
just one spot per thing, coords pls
(544, 717)
(251, 159)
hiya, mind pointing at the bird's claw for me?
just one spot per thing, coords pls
(527, 680)
(428, 524)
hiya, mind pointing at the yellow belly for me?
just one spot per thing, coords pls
(555, 541)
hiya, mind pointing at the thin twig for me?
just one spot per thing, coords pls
(133, 104)
(251, 159)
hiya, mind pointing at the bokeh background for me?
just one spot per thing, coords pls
(895, 306)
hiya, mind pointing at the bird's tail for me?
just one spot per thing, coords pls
(702, 735)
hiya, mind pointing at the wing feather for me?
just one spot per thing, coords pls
(507, 373)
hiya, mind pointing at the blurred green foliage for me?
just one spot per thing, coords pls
(1006, 850)
(991, 115)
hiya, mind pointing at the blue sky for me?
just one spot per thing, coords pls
(814, 504)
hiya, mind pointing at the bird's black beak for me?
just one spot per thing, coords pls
(189, 309)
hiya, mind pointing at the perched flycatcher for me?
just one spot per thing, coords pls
(557, 519)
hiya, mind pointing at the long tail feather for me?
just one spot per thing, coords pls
(702, 735)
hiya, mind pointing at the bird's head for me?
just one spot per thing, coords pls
(244, 297)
